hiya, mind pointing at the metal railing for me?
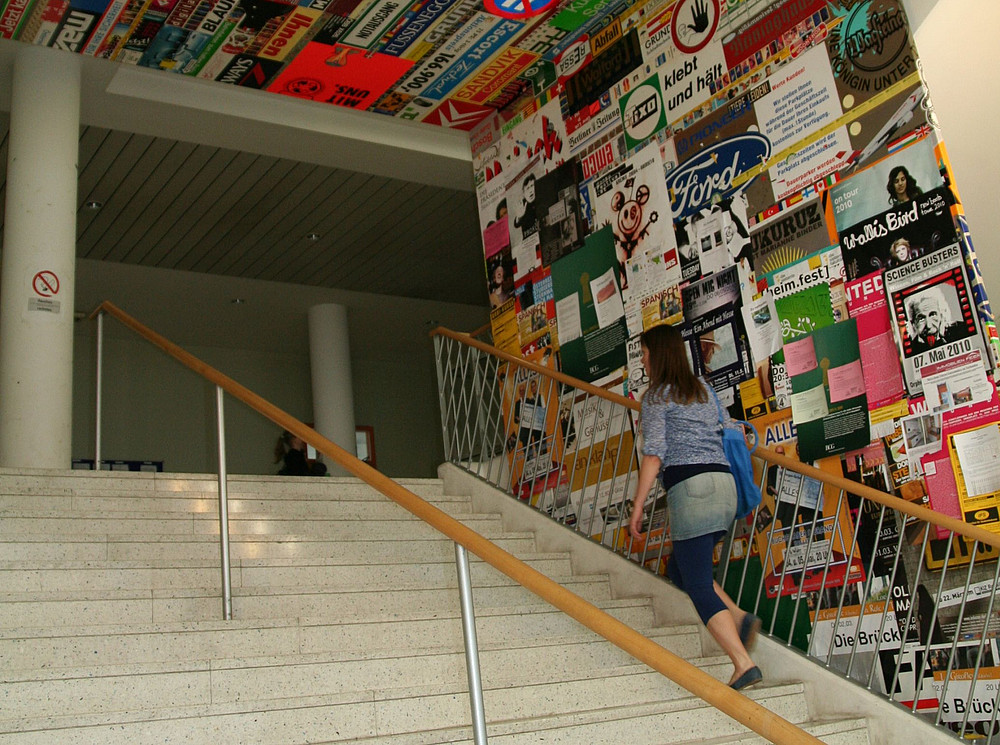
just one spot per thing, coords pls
(744, 710)
(882, 590)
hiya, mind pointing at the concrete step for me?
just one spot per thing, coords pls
(56, 576)
(105, 688)
(205, 547)
(51, 648)
(403, 526)
(332, 507)
(368, 719)
(199, 604)
(47, 482)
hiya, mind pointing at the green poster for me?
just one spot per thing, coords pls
(829, 403)
(804, 312)
(589, 309)
(642, 112)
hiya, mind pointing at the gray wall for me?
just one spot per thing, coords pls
(155, 409)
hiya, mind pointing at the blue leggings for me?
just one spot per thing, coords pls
(690, 568)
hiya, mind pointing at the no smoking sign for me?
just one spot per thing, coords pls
(45, 284)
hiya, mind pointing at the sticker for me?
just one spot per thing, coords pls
(45, 284)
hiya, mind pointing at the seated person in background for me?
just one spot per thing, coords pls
(291, 452)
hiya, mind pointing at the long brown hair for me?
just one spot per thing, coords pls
(670, 373)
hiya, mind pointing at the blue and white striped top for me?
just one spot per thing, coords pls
(682, 435)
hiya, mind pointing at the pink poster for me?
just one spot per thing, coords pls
(866, 303)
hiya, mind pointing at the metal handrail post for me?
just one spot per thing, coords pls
(227, 587)
(471, 646)
(439, 350)
(97, 413)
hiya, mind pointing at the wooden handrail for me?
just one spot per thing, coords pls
(718, 694)
(972, 532)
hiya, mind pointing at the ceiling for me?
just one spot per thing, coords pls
(248, 184)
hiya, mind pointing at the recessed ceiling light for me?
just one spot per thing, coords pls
(93, 204)
(312, 236)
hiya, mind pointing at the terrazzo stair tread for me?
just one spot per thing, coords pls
(486, 581)
(331, 507)
(59, 575)
(160, 690)
(831, 732)
(48, 649)
(18, 480)
(615, 607)
(43, 548)
(46, 609)
(185, 576)
(246, 546)
(404, 528)
(648, 723)
(205, 548)
(445, 671)
(296, 674)
(353, 717)
(171, 685)
(357, 606)
(637, 685)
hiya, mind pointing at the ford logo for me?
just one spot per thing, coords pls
(712, 172)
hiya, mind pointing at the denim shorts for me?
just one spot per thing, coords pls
(704, 503)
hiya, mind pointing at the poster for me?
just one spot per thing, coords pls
(867, 305)
(790, 235)
(632, 200)
(591, 321)
(560, 224)
(892, 181)
(829, 401)
(975, 460)
(933, 315)
(533, 442)
(801, 527)
(899, 235)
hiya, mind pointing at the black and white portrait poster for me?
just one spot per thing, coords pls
(933, 315)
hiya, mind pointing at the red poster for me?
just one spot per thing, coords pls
(341, 75)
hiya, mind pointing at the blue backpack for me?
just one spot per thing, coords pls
(735, 447)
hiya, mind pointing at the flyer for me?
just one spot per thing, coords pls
(933, 315)
(975, 460)
(892, 181)
(632, 200)
(588, 349)
(801, 526)
(867, 305)
(560, 222)
(899, 235)
(829, 402)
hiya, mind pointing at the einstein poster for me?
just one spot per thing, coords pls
(933, 315)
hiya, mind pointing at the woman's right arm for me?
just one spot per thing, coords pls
(649, 469)
(654, 442)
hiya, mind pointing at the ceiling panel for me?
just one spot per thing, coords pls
(179, 205)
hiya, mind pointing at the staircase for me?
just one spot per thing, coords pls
(346, 625)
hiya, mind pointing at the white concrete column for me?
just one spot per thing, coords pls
(330, 364)
(39, 250)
